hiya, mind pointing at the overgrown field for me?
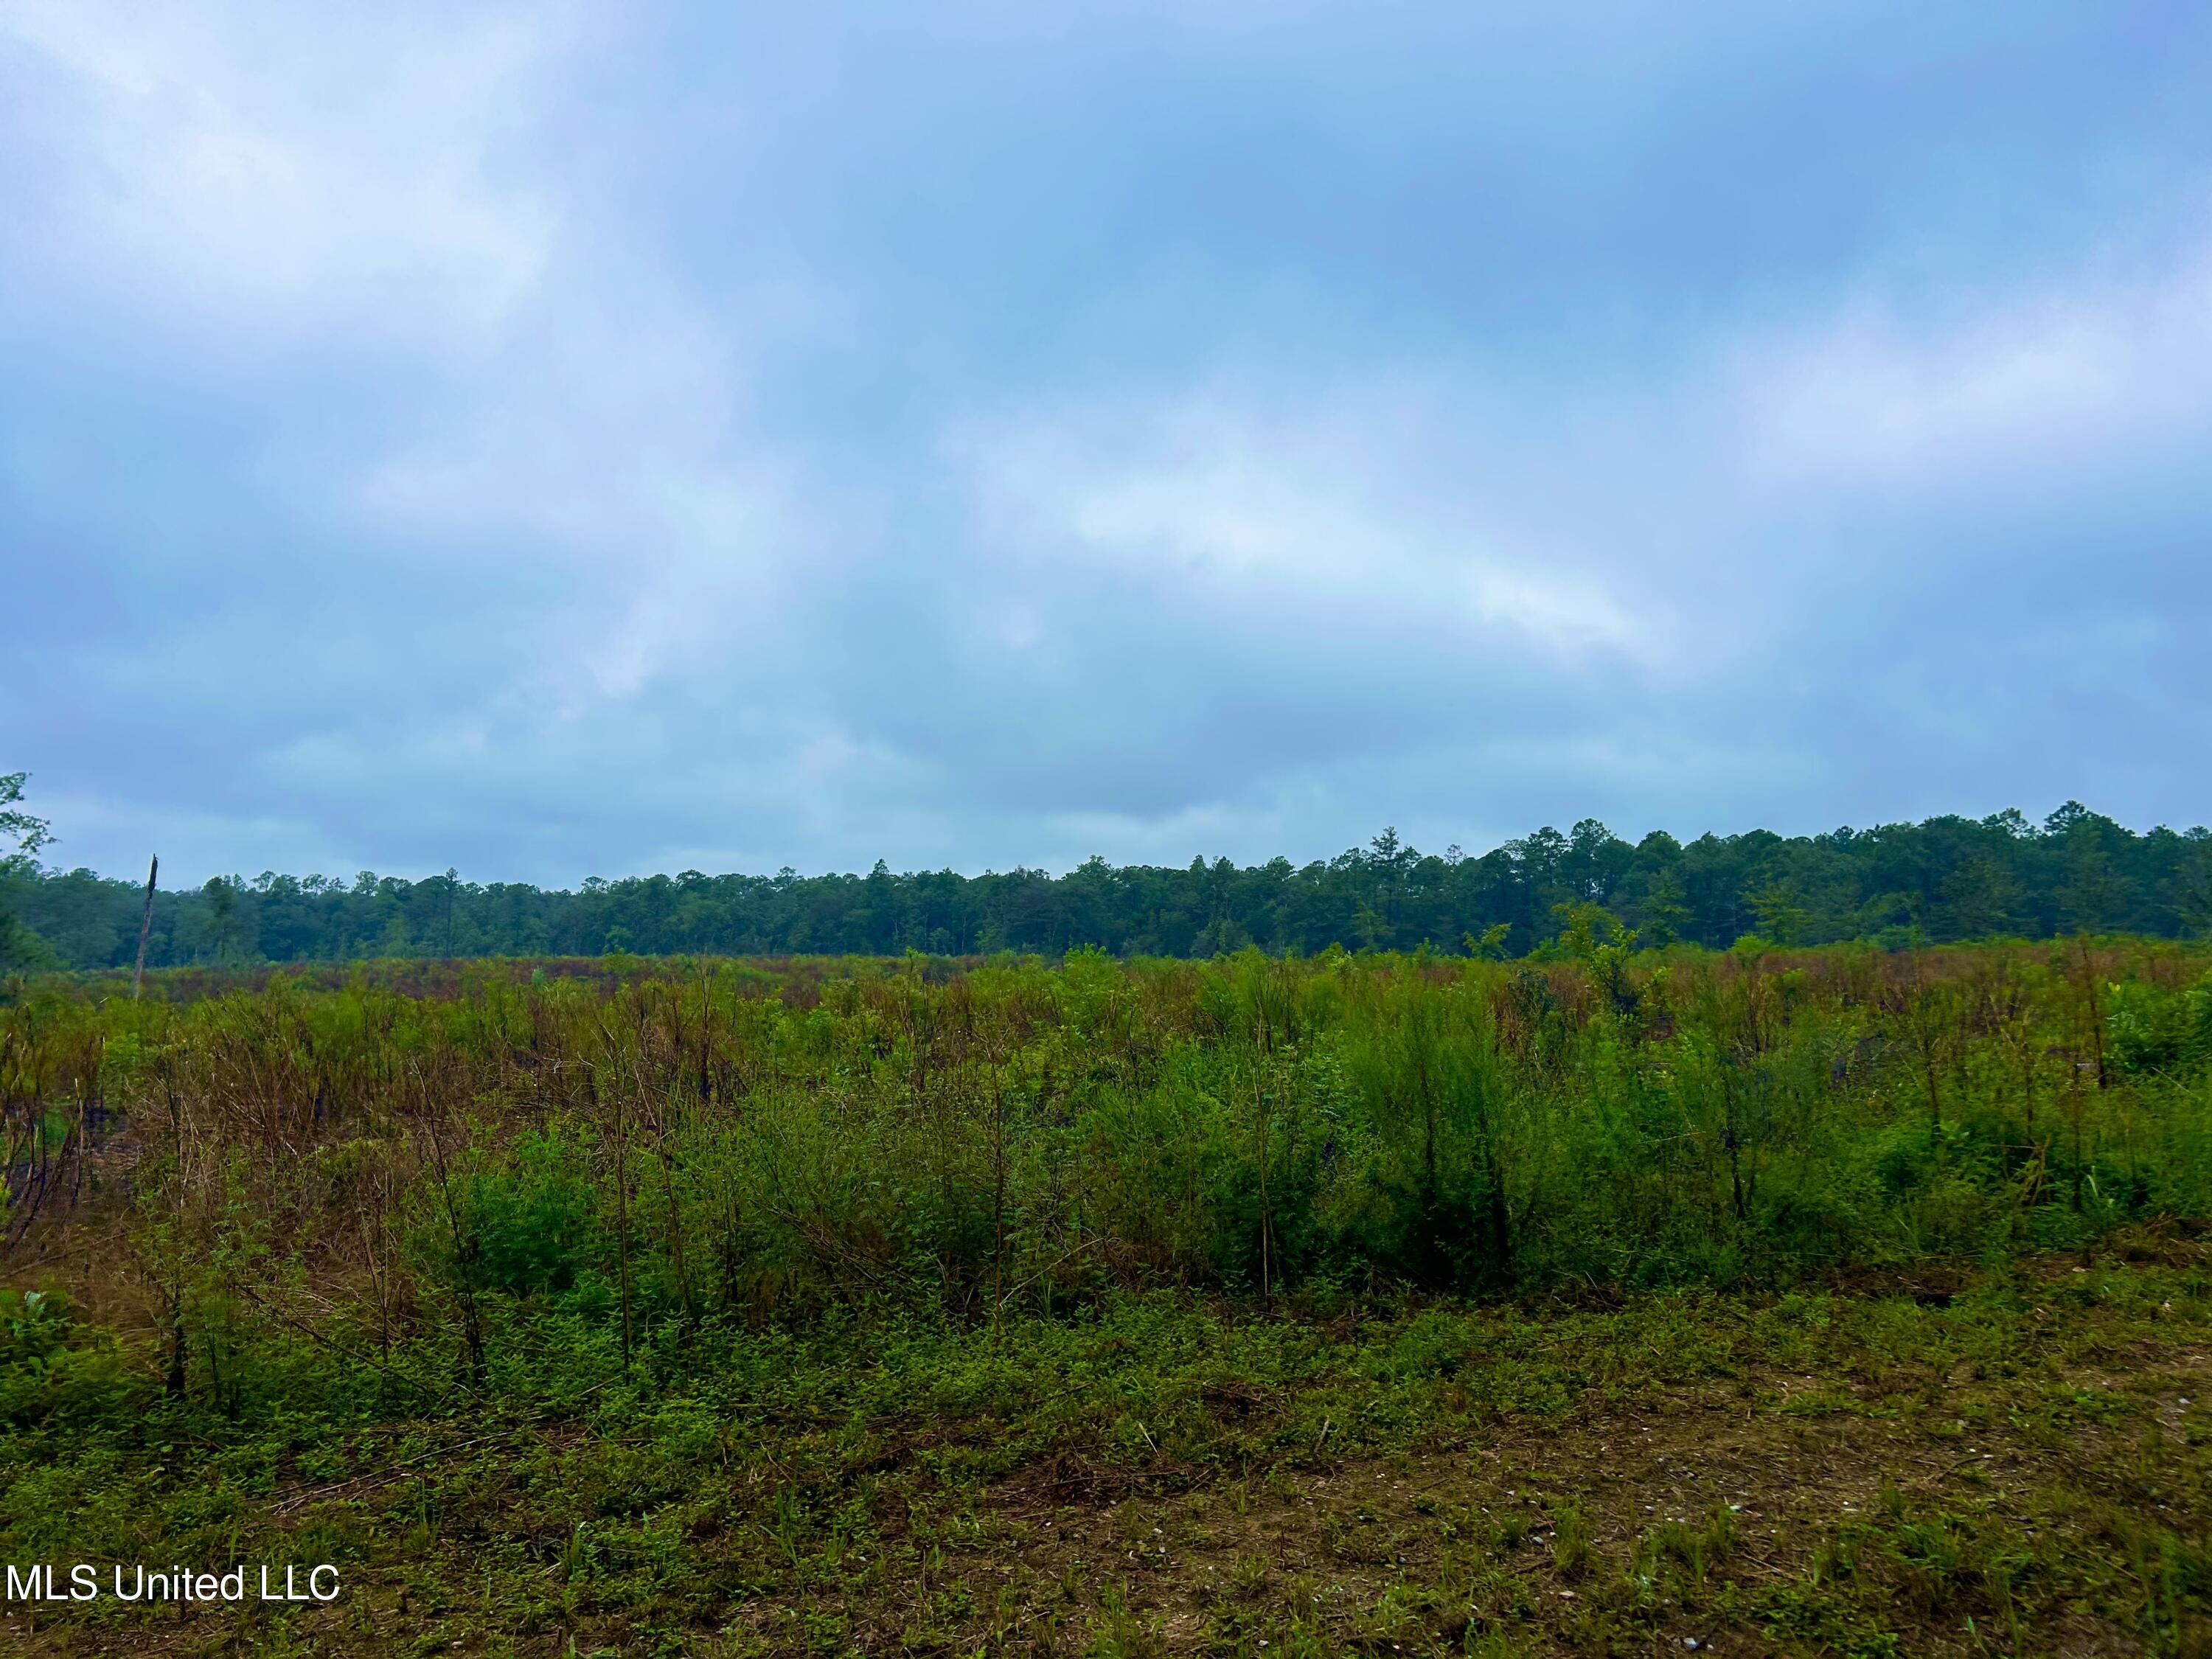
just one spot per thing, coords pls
(1824, 1302)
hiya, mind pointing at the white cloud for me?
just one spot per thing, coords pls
(366, 201)
(1209, 497)
(1681, 527)
(2054, 379)
(613, 472)
(281, 164)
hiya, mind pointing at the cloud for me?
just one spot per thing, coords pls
(346, 169)
(1258, 514)
(496, 393)
(2075, 372)
(574, 440)
(1878, 551)
(1670, 526)
(608, 459)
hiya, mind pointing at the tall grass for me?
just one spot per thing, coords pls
(402, 1184)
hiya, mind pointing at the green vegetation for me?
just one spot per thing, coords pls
(21, 836)
(1900, 886)
(1831, 1301)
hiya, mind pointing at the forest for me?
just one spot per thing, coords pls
(1943, 880)
(1832, 1298)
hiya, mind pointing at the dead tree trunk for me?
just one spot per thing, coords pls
(145, 928)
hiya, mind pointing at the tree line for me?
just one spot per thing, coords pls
(1945, 879)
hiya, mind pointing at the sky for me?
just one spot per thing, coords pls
(589, 440)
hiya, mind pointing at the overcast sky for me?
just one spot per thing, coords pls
(589, 440)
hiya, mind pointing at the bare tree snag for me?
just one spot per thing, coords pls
(145, 928)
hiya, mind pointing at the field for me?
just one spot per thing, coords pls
(1820, 1302)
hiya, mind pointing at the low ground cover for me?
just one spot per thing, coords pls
(2009, 1462)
